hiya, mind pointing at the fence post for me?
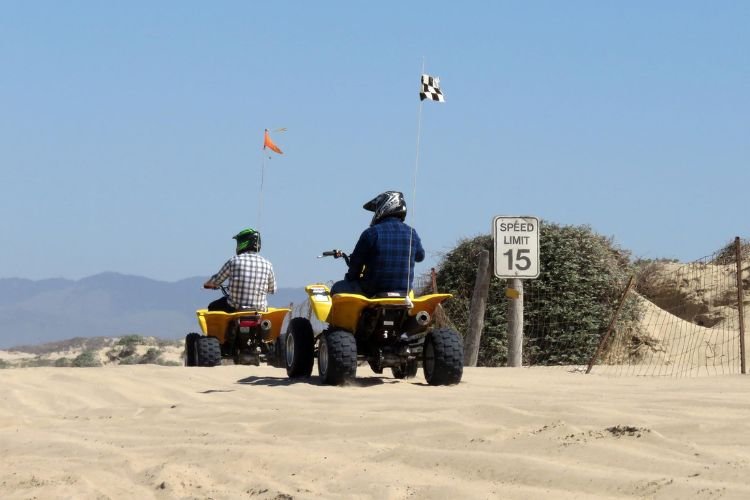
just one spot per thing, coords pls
(740, 302)
(477, 309)
(515, 322)
(603, 340)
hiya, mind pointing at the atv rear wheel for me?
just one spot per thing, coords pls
(299, 348)
(207, 351)
(190, 339)
(443, 361)
(337, 357)
(410, 371)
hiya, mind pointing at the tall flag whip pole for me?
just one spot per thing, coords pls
(260, 194)
(267, 144)
(429, 89)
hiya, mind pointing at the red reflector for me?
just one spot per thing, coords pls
(248, 324)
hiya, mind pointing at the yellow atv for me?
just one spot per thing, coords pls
(246, 337)
(388, 331)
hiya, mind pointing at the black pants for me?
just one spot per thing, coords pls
(221, 304)
(346, 286)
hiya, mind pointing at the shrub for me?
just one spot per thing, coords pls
(566, 309)
(131, 340)
(728, 253)
(38, 361)
(86, 359)
(4, 364)
(151, 356)
(63, 362)
(121, 351)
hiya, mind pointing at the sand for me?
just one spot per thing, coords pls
(148, 431)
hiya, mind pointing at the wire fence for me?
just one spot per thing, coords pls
(690, 323)
(677, 320)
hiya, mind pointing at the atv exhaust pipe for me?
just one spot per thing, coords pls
(422, 318)
(265, 328)
(418, 322)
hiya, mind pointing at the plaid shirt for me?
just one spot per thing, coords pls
(250, 278)
(383, 252)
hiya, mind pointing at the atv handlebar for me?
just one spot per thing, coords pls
(220, 287)
(335, 254)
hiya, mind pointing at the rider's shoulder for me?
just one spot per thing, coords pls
(257, 256)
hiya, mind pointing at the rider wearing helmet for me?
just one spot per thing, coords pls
(383, 259)
(250, 277)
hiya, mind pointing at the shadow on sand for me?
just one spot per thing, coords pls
(267, 381)
(314, 380)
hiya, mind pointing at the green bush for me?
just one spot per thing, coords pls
(151, 356)
(37, 362)
(121, 351)
(86, 359)
(566, 309)
(131, 340)
(63, 362)
(4, 364)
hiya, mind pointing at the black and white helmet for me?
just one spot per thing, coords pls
(387, 204)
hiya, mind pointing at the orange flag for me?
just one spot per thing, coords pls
(268, 143)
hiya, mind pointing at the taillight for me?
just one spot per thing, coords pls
(247, 324)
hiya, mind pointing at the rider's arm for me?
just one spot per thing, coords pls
(360, 256)
(219, 278)
(419, 255)
(271, 281)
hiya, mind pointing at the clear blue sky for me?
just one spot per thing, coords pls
(131, 132)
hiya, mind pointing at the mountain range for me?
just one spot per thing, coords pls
(106, 304)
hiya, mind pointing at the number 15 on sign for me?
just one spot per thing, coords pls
(516, 242)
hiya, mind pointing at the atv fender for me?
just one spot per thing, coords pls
(344, 309)
(214, 323)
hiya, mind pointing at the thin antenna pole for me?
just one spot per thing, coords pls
(414, 187)
(260, 195)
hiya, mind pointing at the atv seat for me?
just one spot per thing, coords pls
(388, 295)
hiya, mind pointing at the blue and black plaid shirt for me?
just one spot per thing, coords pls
(383, 252)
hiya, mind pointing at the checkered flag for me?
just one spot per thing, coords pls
(431, 89)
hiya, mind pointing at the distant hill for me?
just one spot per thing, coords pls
(107, 304)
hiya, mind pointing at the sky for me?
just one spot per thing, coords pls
(131, 133)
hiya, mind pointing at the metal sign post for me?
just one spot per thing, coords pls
(516, 244)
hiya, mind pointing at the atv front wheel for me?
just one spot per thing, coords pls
(207, 351)
(443, 362)
(190, 339)
(299, 348)
(337, 357)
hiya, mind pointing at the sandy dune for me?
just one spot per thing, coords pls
(678, 348)
(148, 431)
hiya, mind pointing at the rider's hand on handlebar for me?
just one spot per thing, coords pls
(332, 253)
(209, 286)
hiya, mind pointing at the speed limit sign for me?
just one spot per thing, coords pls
(516, 241)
